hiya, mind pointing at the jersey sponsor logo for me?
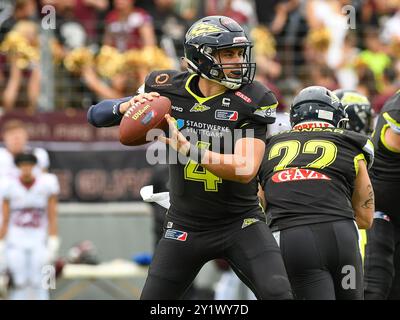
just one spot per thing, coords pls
(243, 96)
(248, 221)
(226, 102)
(162, 78)
(176, 235)
(296, 174)
(198, 107)
(148, 117)
(207, 126)
(180, 123)
(226, 115)
(177, 109)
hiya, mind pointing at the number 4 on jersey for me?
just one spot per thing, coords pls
(195, 172)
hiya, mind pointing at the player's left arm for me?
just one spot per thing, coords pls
(261, 196)
(52, 209)
(3, 229)
(109, 113)
(241, 166)
(363, 200)
(53, 241)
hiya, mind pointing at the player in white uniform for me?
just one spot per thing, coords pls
(15, 139)
(29, 229)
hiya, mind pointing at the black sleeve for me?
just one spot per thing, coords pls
(254, 130)
(262, 172)
(106, 113)
(363, 143)
(264, 113)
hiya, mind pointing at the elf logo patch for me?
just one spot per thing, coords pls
(296, 174)
(226, 115)
(176, 235)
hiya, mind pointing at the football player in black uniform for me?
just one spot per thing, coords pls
(214, 210)
(382, 252)
(361, 119)
(358, 109)
(316, 183)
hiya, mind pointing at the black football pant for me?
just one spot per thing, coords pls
(251, 251)
(323, 260)
(382, 261)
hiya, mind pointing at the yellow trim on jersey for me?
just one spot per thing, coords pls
(356, 159)
(362, 233)
(272, 106)
(200, 100)
(244, 124)
(373, 133)
(383, 131)
(388, 118)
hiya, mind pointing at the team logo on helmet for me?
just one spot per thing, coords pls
(203, 29)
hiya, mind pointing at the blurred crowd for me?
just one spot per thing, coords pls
(69, 54)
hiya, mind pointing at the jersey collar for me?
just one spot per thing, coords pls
(199, 99)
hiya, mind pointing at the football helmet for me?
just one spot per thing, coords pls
(83, 253)
(358, 109)
(205, 38)
(316, 103)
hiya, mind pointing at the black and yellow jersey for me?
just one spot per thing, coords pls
(385, 173)
(198, 197)
(308, 175)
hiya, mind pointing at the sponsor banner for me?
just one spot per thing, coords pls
(96, 176)
(62, 126)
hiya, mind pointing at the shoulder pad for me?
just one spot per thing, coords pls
(261, 99)
(165, 80)
(393, 119)
(51, 181)
(365, 144)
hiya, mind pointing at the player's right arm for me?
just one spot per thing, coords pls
(109, 113)
(6, 217)
(363, 197)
